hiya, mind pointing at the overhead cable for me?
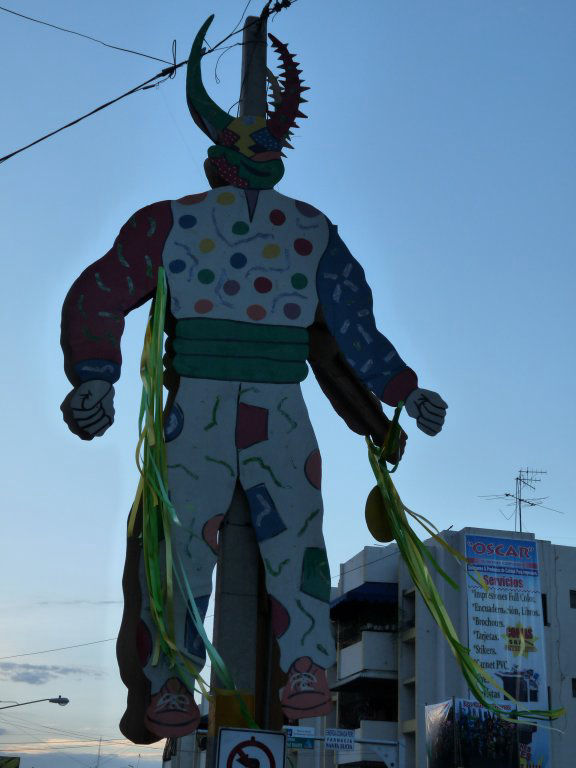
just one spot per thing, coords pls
(63, 648)
(167, 72)
(81, 34)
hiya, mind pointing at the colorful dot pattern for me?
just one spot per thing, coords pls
(206, 245)
(206, 276)
(240, 227)
(271, 251)
(187, 222)
(224, 264)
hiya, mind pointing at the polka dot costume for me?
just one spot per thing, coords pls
(258, 264)
(227, 262)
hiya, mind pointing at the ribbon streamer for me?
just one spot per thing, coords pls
(153, 507)
(414, 553)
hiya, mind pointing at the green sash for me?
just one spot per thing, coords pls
(234, 351)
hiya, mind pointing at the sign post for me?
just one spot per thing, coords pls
(299, 737)
(243, 748)
(341, 739)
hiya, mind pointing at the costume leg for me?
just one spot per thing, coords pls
(202, 471)
(280, 471)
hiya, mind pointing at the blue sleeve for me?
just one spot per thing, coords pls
(346, 301)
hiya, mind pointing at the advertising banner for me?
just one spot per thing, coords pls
(506, 630)
(484, 740)
(460, 733)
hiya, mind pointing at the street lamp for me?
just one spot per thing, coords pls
(59, 700)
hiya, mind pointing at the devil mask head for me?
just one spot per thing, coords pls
(247, 150)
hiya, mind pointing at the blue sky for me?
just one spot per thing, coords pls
(440, 140)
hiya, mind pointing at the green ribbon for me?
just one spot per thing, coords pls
(158, 515)
(414, 553)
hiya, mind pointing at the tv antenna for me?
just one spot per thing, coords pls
(525, 479)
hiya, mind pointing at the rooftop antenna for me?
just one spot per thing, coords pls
(526, 478)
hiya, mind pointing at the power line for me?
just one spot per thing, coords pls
(167, 72)
(67, 747)
(81, 34)
(210, 616)
(79, 740)
(63, 648)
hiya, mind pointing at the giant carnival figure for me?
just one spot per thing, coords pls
(257, 284)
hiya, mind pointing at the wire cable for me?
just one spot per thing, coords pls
(81, 34)
(167, 72)
(63, 648)
(210, 616)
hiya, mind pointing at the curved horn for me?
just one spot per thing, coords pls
(283, 119)
(206, 113)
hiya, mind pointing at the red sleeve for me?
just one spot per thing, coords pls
(95, 307)
(399, 387)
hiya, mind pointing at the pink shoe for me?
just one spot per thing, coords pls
(306, 694)
(172, 711)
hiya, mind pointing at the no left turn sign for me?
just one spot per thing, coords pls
(245, 748)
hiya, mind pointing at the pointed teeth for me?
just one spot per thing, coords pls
(283, 155)
(287, 144)
(300, 114)
(303, 101)
(304, 88)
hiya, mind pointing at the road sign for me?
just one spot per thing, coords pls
(299, 737)
(339, 738)
(246, 748)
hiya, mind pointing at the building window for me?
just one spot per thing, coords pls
(574, 687)
(368, 699)
(573, 598)
(354, 619)
(545, 609)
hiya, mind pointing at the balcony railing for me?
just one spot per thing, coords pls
(375, 653)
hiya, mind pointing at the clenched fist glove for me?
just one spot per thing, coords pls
(427, 408)
(89, 408)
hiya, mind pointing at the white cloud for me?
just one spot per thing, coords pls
(38, 674)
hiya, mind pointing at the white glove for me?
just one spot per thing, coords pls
(428, 409)
(90, 407)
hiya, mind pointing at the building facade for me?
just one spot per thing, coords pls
(393, 659)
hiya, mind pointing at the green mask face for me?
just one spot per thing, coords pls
(247, 151)
(241, 171)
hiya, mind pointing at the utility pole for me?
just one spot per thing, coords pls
(239, 580)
